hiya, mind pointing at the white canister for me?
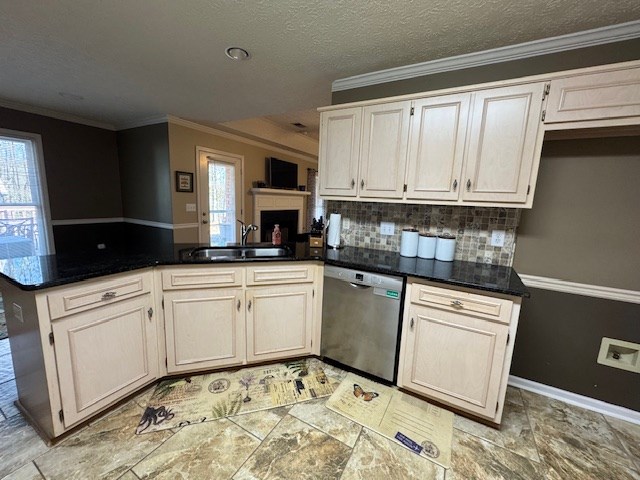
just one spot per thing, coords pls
(445, 247)
(409, 242)
(427, 245)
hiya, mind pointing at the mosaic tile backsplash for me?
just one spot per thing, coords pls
(472, 227)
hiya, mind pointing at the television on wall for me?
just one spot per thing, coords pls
(281, 174)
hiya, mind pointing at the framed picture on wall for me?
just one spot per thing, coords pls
(184, 182)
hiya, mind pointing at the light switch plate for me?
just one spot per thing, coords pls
(387, 228)
(191, 207)
(497, 238)
(17, 313)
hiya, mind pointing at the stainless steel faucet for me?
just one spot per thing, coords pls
(245, 230)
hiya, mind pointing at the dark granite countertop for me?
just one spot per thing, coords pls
(39, 272)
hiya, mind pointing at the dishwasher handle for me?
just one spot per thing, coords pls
(358, 286)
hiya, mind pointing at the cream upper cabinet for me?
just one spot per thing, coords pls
(436, 148)
(385, 135)
(340, 132)
(105, 353)
(595, 96)
(456, 348)
(204, 328)
(505, 140)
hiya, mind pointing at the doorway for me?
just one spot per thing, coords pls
(220, 198)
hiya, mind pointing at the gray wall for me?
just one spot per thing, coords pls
(584, 57)
(81, 164)
(145, 173)
(559, 338)
(585, 224)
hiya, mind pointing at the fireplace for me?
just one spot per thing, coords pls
(284, 207)
(287, 219)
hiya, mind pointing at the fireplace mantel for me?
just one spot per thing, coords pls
(274, 199)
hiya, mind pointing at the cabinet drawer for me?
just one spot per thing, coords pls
(491, 308)
(273, 275)
(96, 294)
(201, 277)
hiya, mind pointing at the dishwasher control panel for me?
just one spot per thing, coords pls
(363, 278)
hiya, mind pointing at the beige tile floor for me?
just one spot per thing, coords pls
(541, 438)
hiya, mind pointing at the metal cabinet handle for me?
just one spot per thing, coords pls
(238, 305)
(249, 305)
(108, 295)
(411, 324)
(455, 184)
(361, 183)
(468, 185)
(456, 303)
(353, 183)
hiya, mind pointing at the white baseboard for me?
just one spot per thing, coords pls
(578, 400)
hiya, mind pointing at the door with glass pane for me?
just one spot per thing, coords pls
(220, 197)
(24, 212)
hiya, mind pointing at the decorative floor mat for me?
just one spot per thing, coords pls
(202, 398)
(417, 425)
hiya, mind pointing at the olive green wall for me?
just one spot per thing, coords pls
(182, 146)
(578, 58)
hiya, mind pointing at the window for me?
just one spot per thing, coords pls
(24, 210)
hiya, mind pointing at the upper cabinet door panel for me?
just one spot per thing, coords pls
(385, 136)
(340, 132)
(436, 149)
(503, 143)
(595, 96)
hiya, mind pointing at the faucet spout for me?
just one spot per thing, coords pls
(245, 230)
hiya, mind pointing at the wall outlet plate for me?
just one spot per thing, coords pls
(191, 207)
(387, 228)
(497, 238)
(619, 354)
(17, 313)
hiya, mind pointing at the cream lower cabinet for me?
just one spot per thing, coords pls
(279, 321)
(456, 348)
(221, 316)
(204, 328)
(104, 354)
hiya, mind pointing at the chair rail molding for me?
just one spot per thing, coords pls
(564, 286)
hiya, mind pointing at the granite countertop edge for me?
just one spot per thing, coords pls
(122, 264)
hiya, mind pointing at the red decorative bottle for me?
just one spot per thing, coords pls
(276, 236)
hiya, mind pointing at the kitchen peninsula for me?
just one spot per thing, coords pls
(90, 329)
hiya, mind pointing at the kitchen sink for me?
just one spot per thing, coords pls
(239, 252)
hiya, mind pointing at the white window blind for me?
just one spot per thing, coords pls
(24, 219)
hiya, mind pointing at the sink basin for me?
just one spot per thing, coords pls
(240, 252)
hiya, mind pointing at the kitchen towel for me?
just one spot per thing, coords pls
(333, 235)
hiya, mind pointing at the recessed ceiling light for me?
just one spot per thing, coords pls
(71, 96)
(237, 53)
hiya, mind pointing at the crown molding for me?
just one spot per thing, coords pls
(572, 41)
(67, 117)
(563, 286)
(143, 122)
(240, 138)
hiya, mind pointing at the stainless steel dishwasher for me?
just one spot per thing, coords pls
(361, 320)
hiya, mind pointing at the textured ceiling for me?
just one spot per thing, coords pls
(134, 59)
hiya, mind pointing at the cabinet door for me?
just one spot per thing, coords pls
(204, 329)
(385, 136)
(594, 97)
(436, 149)
(340, 132)
(279, 321)
(503, 143)
(104, 354)
(455, 359)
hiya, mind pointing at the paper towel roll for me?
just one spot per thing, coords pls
(333, 233)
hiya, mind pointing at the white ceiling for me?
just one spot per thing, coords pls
(135, 59)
